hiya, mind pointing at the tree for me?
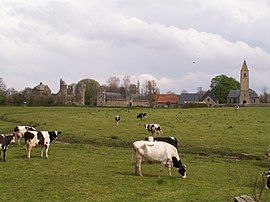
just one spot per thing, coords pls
(264, 97)
(133, 89)
(2, 86)
(221, 86)
(91, 89)
(138, 87)
(151, 90)
(113, 84)
(126, 82)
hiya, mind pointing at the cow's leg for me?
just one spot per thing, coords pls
(46, 151)
(29, 148)
(4, 155)
(169, 164)
(42, 150)
(138, 167)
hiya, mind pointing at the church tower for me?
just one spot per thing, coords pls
(244, 81)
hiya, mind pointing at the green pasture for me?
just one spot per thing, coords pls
(224, 151)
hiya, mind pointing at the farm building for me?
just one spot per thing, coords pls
(209, 99)
(41, 89)
(245, 95)
(167, 100)
(112, 99)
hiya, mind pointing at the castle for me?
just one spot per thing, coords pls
(245, 95)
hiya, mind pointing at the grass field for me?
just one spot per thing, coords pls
(224, 152)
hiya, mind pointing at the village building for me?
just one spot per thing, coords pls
(167, 100)
(209, 99)
(112, 99)
(41, 89)
(245, 95)
(188, 98)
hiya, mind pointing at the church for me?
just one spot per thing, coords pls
(245, 95)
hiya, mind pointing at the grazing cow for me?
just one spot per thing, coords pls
(40, 138)
(20, 130)
(153, 128)
(161, 152)
(6, 140)
(266, 177)
(141, 116)
(170, 140)
(117, 120)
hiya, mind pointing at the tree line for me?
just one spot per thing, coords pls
(220, 87)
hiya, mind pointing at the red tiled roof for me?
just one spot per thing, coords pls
(165, 98)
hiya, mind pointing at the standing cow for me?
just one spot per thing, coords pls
(162, 152)
(6, 140)
(141, 116)
(117, 120)
(19, 131)
(154, 129)
(40, 138)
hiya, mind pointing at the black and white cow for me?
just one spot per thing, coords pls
(153, 128)
(266, 177)
(170, 140)
(141, 116)
(117, 120)
(40, 138)
(20, 130)
(6, 140)
(162, 152)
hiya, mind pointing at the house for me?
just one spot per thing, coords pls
(113, 99)
(41, 89)
(188, 98)
(209, 99)
(167, 100)
(245, 95)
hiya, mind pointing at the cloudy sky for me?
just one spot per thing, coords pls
(181, 44)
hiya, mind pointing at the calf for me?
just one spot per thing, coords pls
(141, 116)
(40, 138)
(20, 130)
(161, 152)
(236, 108)
(6, 140)
(170, 140)
(153, 128)
(117, 120)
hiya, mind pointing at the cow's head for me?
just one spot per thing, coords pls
(54, 135)
(11, 138)
(182, 169)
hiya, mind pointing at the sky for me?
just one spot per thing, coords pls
(181, 44)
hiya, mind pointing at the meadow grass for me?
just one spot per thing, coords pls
(224, 152)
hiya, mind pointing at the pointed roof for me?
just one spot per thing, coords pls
(209, 94)
(244, 66)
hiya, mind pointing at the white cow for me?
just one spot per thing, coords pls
(39, 138)
(161, 152)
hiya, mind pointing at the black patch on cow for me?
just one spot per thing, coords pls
(176, 163)
(16, 129)
(182, 170)
(28, 136)
(53, 135)
(40, 138)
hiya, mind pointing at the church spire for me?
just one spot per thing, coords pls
(244, 66)
(244, 77)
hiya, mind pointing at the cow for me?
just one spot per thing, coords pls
(162, 152)
(40, 138)
(170, 140)
(5, 141)
(141, 116)
(266, 177)
(154, 129)
(117, 120)
(20, 130)
(236, 108)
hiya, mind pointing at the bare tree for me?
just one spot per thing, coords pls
(151, 91)
(138, 87)
(264, 97)
(2, 86)
(113, 84)
(126, 82)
